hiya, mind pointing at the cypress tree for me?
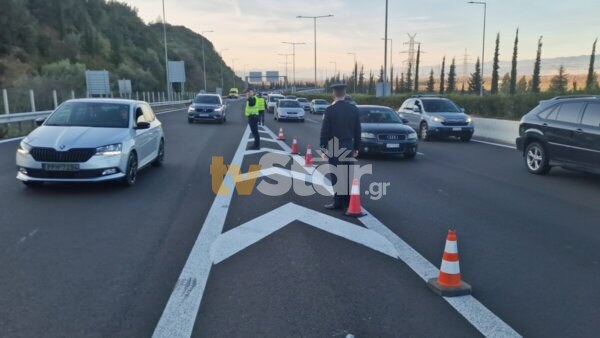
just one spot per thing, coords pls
(397, 84)
(417, 68)
(409, 78)
(535, 80)
(361, 79)
(475, 80)
(513, 71)
(559, 83)
(496, 66)
(402, 86)
(522, 85)
(431, 82)
(442, 80)
(371, 89)
(392, 79)
(452, 77)
(505, 85)
(592, 80)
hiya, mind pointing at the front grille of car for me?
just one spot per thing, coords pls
(204, 110)
(391, 137)
(76, 155)
(80, 174)
(455, 123)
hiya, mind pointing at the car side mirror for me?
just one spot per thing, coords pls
(142, 125)
(39, 121)
(405, 121)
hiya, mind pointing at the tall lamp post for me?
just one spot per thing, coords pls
(221, 54)
(355, 75)
(385, 50)
(315, 32)
(203, 57)
(233, 74)
(294, 61)
(483, 46)
(286, 62)
(166, 53)
(391, 58)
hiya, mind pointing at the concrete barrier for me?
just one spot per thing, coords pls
(501, 131)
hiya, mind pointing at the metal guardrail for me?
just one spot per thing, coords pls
(20, 117)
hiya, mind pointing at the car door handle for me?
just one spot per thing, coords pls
(579, 131)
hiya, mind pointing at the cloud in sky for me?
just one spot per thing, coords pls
(252, 31)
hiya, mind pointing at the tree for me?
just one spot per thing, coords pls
(592, 79)
(409, 80)
(442, 82)
(475, 80)
(417, 68)
(431, 82)
(361, 79)
(559, 82)
(505, 85)
(513, 71)
(397, 91)
(381, 75)
(402, 83)
(452, 77)
(354, 78)
(371, 88)
(392, 79)
(535, 80)
(496, 66)
(522, 85)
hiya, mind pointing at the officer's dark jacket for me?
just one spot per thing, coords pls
(341, 120)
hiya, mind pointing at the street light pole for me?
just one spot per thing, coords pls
(286, 63)
(222, 61)
(385, 50)
(315, 33)
(294, 61)
(356, 69)
(166, 53)
(233, 74)
(204, 58)
(483, 47)
(391, 58)
(246, 80)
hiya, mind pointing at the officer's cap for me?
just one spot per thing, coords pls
(338, 86)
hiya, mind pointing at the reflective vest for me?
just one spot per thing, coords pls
(260, 102)
(251, 110)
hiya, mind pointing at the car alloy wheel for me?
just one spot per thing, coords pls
(535, 159)
(131, 174)
(424, 131)
(160, 157)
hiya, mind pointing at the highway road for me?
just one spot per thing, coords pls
(169, 258)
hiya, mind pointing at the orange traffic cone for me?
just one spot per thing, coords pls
(448, 283)
(354, 208)
(294, 146)
(280, 136)
(308, 160)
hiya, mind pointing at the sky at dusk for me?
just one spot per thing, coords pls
(253, 31)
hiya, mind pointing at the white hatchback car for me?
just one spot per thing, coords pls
(92, 140)
(289, 110)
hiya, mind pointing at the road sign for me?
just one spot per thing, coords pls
(97, 82)
(255, 77)
(176, 71)
(273, 76)
(125, 87)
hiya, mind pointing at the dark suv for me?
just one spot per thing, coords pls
(562, 132)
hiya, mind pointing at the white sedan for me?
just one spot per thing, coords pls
(289, 110)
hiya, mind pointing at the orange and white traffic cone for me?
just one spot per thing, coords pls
(295, 146)
(449, 283)
(308, 159)
(280, 136)
(354, 209)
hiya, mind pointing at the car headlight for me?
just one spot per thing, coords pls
(412, 136)
(191, 109)
(438, 119)
(110, 150)
(24, 148)
(367, 135)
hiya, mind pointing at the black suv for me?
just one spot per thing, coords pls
(562, 132)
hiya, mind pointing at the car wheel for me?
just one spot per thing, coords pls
(160, 157)
(536, 159)
(424, 132)
(275, 116)
(33, 184)
(465, 138)
(302, 120)
(131, 171)
(410, 155)
(224, 118)
(190, 120)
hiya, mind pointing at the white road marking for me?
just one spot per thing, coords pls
(169, 111)
(313, 121)
(265, 150)
(264, 139)
(420, 154)
(179, 315)
(30, 235)
(494, 144)
(243, 236)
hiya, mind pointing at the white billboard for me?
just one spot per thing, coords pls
(97, 82)
(273, 76)
(255, 77)
(125, 87)
(176, 72)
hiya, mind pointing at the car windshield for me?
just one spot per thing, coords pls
(440, 106)
(302, 100)
(289, 104)
(207, 99)
(275, 98)
(90, 114)
(378, 115)
(320, 102)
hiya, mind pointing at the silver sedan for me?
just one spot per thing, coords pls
(92, 140)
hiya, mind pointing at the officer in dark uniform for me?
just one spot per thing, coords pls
(340, 130)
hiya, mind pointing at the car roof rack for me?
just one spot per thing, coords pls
(425, 95)
(566, 97)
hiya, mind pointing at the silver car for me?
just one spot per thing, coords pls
(318, 106)
(92, 140)
(289, 110)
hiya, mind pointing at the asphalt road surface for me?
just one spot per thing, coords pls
(100, 260)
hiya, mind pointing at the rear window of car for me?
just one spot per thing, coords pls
(289, 104)
(591, 116)
(275, 98)
(569, 112)
(303, 100)
(320, 102)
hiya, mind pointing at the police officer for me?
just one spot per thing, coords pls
(252, 115)
(261, 109)
(340, 130)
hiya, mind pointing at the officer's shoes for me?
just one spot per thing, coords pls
(333, 206)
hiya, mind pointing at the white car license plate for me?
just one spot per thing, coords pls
(392, 145)
(202, 115)
(60, 167)
(457, 129)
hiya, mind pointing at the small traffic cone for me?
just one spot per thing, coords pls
(448, 283)
(294, 146)
(280, 136)
(308, 159)
(354, 208)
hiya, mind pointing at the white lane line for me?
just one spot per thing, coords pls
(265, 150)
(169, 111)
(265, 140)
(313, 121)
(179, 315)
(420, 154)
(30, 235)
(494, 144)
(12, 139)
(469, 307)
(241, 237)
